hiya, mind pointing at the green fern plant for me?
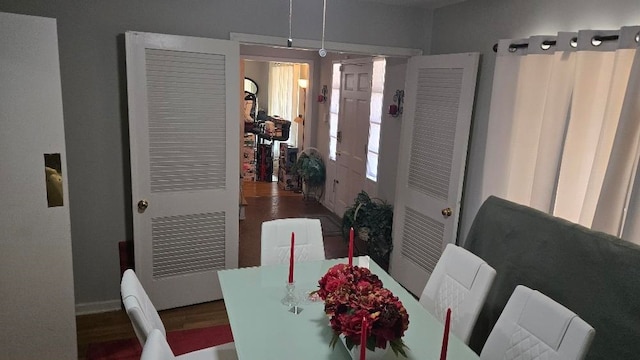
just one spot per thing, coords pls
(311, 169)
(372, 221)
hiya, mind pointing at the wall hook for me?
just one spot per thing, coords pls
(322, 98)
(396, 108)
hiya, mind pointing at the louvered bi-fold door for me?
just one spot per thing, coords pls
(184, 135)
(435, 131)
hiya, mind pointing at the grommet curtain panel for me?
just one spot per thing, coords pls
(564, 125)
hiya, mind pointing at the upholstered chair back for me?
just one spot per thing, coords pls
(533, 326)
(276, 240)
(460, 281)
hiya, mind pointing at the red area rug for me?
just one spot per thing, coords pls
(181, 342)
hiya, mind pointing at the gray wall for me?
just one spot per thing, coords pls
(476, 25)
(95, 102)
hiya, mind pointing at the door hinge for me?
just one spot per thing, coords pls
(339, 136)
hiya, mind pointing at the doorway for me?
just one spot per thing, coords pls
(321, 99)
(274, 125)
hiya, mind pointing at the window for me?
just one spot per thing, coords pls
(334, 111)
(375, 118)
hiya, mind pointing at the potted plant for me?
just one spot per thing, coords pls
(311, 170)
(372, 221)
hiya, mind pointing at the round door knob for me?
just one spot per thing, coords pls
(447, 212)
(143, 205)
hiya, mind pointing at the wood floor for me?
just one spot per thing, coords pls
(266, 202)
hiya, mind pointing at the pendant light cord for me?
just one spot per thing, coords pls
(290, 40)
(324, 17)
(323, 51)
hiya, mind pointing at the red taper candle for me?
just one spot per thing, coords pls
(363, 339)
(445, 337)
(351, 247)
(291, 257)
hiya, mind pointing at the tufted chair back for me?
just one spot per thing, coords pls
(276, 240)
(533, 326)
(460, 281)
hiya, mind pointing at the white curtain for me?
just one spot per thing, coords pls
(284, 96)
(527, 120)
(564, 126)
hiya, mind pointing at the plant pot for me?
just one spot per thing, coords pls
(378, 354)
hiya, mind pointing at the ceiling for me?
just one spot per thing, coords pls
(418, 3)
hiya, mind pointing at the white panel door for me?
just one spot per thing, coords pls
(353, 133)
(183, 128)
(435, 131)
(37, 313)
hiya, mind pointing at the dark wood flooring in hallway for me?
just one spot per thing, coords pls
(265, 202)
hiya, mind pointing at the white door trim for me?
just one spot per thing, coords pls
(305, 44)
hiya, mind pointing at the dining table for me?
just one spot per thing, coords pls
(266, 329)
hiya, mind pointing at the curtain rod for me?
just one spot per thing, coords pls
(513, 47)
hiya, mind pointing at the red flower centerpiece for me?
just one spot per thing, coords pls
(343, 275)
(352, 293)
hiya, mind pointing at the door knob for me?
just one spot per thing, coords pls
(446, 212)
(142, 205)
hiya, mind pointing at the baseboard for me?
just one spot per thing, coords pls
(97, 307)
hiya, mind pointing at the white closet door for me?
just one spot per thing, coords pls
(37, 314)
(183, 127)
(435, 131)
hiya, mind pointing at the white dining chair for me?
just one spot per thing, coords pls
(533, 326)
(460, 281)
(157, 348)
(143, 315)
(146, 320)
(276, 240)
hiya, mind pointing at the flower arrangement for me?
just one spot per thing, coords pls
(352, 293)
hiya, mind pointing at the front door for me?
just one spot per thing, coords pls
(435, 133)
(353, 133)
(183, 128)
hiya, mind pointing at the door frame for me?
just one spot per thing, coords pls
(330, 46)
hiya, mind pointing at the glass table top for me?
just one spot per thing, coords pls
(263, 328)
